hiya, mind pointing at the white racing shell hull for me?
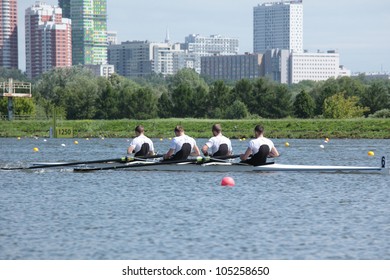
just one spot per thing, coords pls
(231, 167)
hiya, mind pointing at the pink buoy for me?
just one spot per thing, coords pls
(227, 181)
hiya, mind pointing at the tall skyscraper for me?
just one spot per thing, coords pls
(278, 25)
(48, 39)
(8, 34)
(89, 30)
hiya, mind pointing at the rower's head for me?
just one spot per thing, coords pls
(216, 129)
(259, 130)
(179, 130)
(139, 129)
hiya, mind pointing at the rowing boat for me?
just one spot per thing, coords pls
(193, 166)
(203, 165)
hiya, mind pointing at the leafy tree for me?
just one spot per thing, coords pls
(270, 100)
(376, 97)
(351, 86)
(24, 106)
(280, 106)
(125, 106)
(21, 106)
(324, 90)
(182, 99)
(200, 101)
(261, 98)
(304, 105)
(144, 104)
(237, 110)
(340, 107)
(187, 77)
(56, 88)
(188, 93)
(383, 114)
(80, 98)
(14, 74)
(107, 101)
(306, 85)
(219, 98)
(3, 106)
(164, 106)
(243, 91)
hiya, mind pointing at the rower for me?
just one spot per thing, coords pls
(182, 146)
(218, 145)
(260, 148)
(141, 145)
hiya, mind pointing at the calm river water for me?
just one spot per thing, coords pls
(58, 214)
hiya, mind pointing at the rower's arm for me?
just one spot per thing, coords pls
(196, 151)
(169, 154)
(205, 148)
(274, 152)
(245, 156)
(130, 149)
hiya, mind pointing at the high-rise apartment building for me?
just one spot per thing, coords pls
(89, 30)
(278, 25)
(233, 67)
(48, 39)
(8, 34)
(142, 58)
(131, 59)
(112, 38)
(211, 45)
(201, 46)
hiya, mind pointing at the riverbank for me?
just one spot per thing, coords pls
(200, 128)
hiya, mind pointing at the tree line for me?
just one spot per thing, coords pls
(75, 93)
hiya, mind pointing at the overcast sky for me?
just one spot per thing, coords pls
(359, 30)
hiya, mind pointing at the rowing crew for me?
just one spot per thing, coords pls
(182, 146)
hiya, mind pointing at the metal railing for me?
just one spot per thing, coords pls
(18, 117)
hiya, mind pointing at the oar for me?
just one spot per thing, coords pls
(222, 159)
(225, 157)
(165, 162)
(216, 158)
(120, 160)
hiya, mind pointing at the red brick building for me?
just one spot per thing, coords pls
(48, 39)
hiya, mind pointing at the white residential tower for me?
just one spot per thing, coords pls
(278, 25)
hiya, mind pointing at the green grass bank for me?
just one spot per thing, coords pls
(200, 128)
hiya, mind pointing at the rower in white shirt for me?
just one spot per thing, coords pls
(141, 145)
(182, 146)
(259, 149)
(218, 145)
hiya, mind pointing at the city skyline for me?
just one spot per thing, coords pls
(357, 30)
